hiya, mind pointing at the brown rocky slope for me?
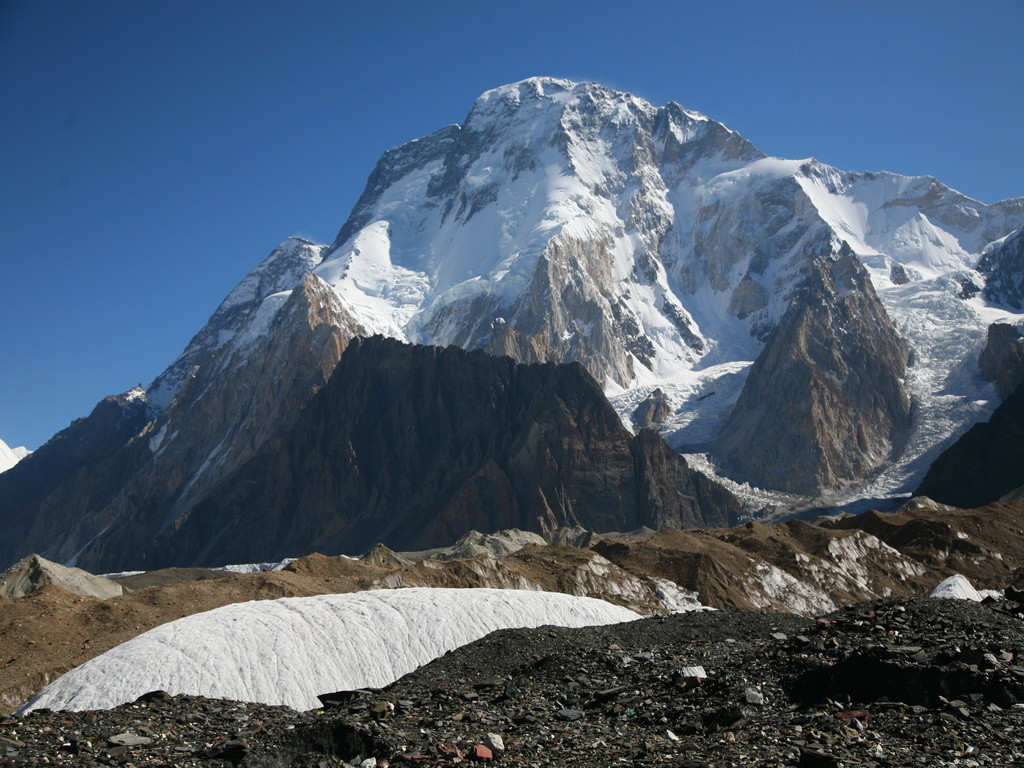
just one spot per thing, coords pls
(825, 403)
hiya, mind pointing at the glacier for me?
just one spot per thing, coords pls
(289, 650)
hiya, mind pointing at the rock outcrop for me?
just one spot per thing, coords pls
(1002, 359)
(1003, 268)
(985, 464)
(824, 403)
(415, 446)
(652, 411)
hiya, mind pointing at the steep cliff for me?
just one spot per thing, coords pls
(824, 403)
(1002, 359)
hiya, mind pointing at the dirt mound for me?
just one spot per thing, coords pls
(495, 544)
(381, 555)
(34, 572)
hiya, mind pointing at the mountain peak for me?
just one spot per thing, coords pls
(532, 92)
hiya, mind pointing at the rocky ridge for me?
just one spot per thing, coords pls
(413, 447)
(136, 477)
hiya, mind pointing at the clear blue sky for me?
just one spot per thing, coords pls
(151, 153)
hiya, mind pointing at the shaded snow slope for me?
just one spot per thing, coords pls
(287, 651)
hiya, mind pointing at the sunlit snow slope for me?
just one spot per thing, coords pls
(287, 651)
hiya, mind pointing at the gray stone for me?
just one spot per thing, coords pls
(569, 714)
(129, 739)
(494, 742)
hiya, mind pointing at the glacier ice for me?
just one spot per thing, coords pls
(289, 650)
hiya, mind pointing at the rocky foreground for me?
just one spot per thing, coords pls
(922, 682)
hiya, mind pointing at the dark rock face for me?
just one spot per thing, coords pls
(99, 491)
(824, 403)
(94, 454)
(415, 446)
(652, 411)
(1002, 360)
(985, 464)
(1003, 267)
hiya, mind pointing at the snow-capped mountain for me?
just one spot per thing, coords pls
(11, 456)
(833, 318)
(565, 221)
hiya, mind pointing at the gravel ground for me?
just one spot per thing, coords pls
(887, 683)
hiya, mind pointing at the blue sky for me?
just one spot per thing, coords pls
(152, 153)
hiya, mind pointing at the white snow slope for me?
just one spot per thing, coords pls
(11, 456)
(958, 587)
(287, 651)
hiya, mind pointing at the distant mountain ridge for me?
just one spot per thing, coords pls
(565, 222)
